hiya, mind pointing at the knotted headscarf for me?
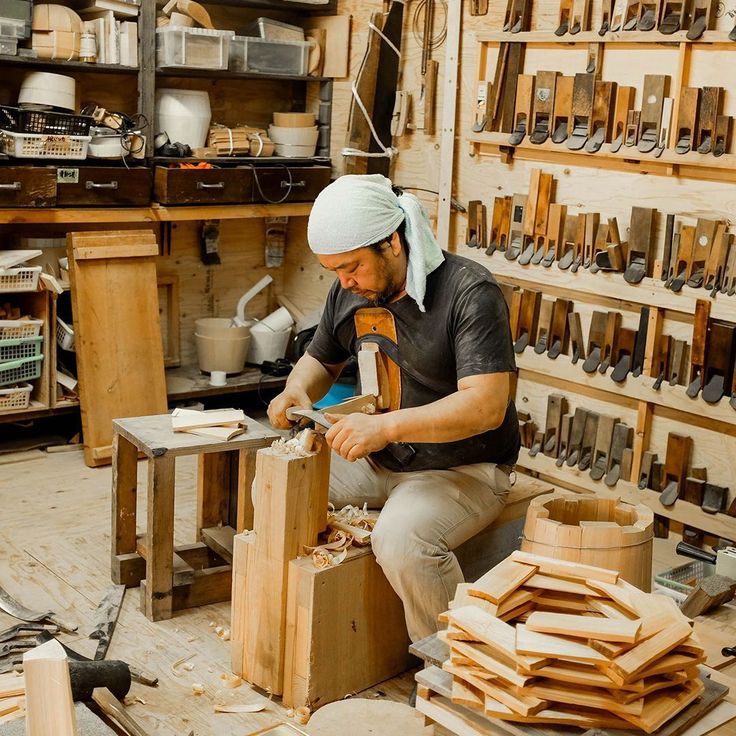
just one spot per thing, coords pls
(356, 211)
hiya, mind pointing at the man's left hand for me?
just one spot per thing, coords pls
(354, 436)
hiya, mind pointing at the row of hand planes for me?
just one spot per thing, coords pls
(584, 112)
(531, 229)
(705, 366)
(666, 16)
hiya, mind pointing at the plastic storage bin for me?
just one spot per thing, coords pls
(24, 347)
(64, 334)
(249, 54)
(26, 369)
(192, 48)
(15, 397)
(14, 328)
(32, 145)
(24, 278)
(8, 46)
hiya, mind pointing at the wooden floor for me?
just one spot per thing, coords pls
(54, 553)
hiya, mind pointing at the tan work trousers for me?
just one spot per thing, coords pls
(424, 516)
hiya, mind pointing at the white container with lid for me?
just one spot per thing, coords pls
(44, 89)
(184, 115)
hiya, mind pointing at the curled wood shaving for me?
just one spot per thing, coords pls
(230, 680)
(351, 525)
(197, 688)
(179, 662)
(240, 708)
(188, 666)
(302, 715)
(223, 632)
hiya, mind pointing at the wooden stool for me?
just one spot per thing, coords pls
(194, 574)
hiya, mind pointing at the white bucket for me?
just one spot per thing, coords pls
(224, 355)
(184, 115)
(44, 89)
(220, 327)
(265, 344)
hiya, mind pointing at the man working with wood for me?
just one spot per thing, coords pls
(439, 463)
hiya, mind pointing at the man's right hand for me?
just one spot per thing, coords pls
(290, 397)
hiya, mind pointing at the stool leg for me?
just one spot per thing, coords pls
(127, 567)
(160, 539)
(213, 490)
(246, 474)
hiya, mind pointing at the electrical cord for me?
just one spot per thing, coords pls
(418, 32)
(453, 202)
(288, 188)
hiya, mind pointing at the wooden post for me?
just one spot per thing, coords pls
(246, 474)
(213, 489)
(49, 704)
(290, 510)
(124, 494)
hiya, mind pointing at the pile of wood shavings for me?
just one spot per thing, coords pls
(349, 526)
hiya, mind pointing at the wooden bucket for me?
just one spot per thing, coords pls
(597, 530)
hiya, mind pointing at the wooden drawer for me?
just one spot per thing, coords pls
(203, 186)
(306, 183)
(27, 186)
(104, 186)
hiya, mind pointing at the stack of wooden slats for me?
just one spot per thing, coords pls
(12, 697)
(240, 141)
(539, 640)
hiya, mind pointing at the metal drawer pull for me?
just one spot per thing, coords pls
(95, 185)
(204, 185)
(16, 186)
(291, 185)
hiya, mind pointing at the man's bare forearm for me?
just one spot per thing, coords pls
(312, 377)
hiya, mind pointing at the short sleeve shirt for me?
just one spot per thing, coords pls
(464, 332)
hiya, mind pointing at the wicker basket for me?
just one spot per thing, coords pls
(15, 328)
(15, 397)
(33, 145)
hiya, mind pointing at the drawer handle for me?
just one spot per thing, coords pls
(16, 186)
(293, 184)
(204, 185)
(95, 185)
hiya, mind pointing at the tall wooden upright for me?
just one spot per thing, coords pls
(290, 511)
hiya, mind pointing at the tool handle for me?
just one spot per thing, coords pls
(728, 652)
(695, 553)
(402, 452)
(113, 708)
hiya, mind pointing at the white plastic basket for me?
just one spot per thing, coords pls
(15, 328)
(15, 371)
(35, 145)
(23, 278)
(15, 397)
(64, 334)
(19, 348)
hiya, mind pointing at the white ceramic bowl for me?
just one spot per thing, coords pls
(289, 151)
(294, 136)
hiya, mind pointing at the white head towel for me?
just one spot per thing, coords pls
(356, 211)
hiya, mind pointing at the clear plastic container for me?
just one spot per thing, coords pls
(249, 54)
(8, 46)
(192, 48)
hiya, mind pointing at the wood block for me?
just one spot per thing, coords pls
(562, 117)
(576, 436)
(555, 409)
(602, 448)
(722, 144)
(544, 101)
(625, 97)
(581, 111)
(718, 376)
(655, 90)
(585, 627)
(663, 705)
(516, 228)
(555, 647)
(553, 243)
(641, 242)
(330, 649)
(580, 16)
(543, 326)
(483, 656)
(498, 235)
(610, 341)
(522, 107)
(526, 334)
(699, 347)
(560, 585)
(705, 232)
(596, 338)
(602, 114)
(687, 119)
(621, 441)
(576, 336)
(715, 267)
(508, 76)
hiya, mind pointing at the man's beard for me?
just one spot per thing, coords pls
(385, 295)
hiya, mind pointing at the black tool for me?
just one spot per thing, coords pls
(695, 553)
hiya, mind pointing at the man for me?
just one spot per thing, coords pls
(439, 465)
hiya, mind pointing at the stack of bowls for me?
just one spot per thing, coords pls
(221, 347)
(294, 134)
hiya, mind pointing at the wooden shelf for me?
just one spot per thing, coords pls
(38, 412)
(650, 292)
(328, 8)
(638, 389)
(188, 382)
(70, 66)
(176, 71)
(719, 525)
(155, 213)
(691, 165)
(649, 38)
(261, 162)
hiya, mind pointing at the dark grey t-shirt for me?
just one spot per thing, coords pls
(464, 332)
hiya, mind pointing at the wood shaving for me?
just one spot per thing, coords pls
(240, 708)
(131, 699)
(302, 715)
(197, 688)
(179, 662)
(349, 526)
(223, 632)
(230, 680)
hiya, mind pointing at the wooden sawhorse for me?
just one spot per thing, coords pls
(193, 574)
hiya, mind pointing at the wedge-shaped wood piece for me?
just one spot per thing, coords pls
(641, 241)
(475, 235)
(568, 249)
(625, 97)
(710, 109)
(621, 442)
(523, 704)
(516, 228)
(553, 242)
(496, 234)
(596, 338)
(663, 705)
(588, 443)
(562, 117)
(716, 265)
(576, 336)
(602, 448)
(632, 663)
(669, 236)
(592, 220)
(483, 656)
(579, 247)
(623, 358)
(576, 674)
(504, 108)
(600, 126)
(624, 594)
(699, 347)
(526, 334)
(705, 233)
(610, 341)
(687, 119)
(182, 419)
(501, 581)
(559, 334)
(563, 568)
(494, 633)
(585, 698)
(544, 102)
(673, 16)
(637, 364)
(522, 108)
(722, 144)
(655, 90)
(555, 647)
(565, 426)
(585, 627)
(576, 436)
(555, 409)
(702, 17)
(581, 112)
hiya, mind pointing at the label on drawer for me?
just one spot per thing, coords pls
(67, 176)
